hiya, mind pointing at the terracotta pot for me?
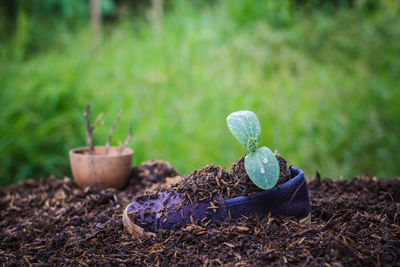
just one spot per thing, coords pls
(111, 170)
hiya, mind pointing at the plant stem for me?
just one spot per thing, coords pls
(89, 128)
(127, 140)
(112, 131)
(97, 120)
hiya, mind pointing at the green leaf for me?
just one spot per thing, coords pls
(244, 125)
(262, 168)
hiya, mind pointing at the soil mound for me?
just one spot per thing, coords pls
(205, 184)
(53, 222)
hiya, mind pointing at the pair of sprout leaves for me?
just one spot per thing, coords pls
(260, 164)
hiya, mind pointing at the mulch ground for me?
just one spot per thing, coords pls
(53, 222)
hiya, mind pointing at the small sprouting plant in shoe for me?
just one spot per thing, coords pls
(260, 164)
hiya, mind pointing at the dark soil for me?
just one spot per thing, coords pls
(52, 222)
(205, 184)
(151, 175)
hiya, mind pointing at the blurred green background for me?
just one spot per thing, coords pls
(322, 76)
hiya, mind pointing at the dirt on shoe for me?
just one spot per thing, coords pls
(211, 181)
(240, 173)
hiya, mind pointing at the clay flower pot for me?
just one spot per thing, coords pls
(108, 170)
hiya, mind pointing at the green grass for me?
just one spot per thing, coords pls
(325, 89)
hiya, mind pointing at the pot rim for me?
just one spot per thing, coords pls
(126, 152)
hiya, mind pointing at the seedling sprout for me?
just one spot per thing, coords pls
(260, 164)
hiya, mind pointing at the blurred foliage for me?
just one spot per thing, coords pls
(322, 76)
(26, 22)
